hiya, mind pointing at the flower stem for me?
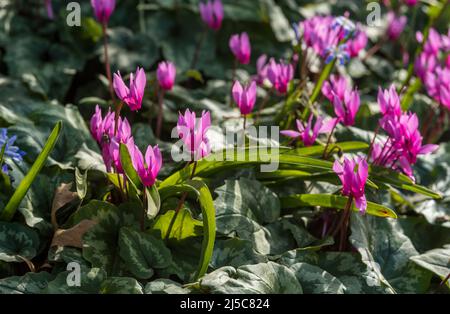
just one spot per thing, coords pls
(197, 49)
(322, 78)
(343, 216)
(109, 76)
(263, 104)
(373, 142)
(233, 78)
(144, 210)
(180, 204)
(160, 112)
(375, 48)
(324, 155)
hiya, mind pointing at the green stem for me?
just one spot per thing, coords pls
(325, 155)
(180, 205)
(316, 91)
(2, 154)
(160, 112)
(343, 216)
(197, 49)
(144, 210)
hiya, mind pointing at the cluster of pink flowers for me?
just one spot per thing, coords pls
(433, 66)
(346, 101)
(279, 74)
(404, 142)
(102, 130)
(333, 37)
(193, 131)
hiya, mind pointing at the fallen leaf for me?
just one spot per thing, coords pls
(73, 236)
(63, 196)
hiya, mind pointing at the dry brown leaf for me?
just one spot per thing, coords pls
(63, 196)
(73, 236)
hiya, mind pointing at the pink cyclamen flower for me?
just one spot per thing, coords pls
(358, 43)
(404, 144)
(114, 152)
(131, 96)
(244, 97)
(389, 101)
(212, 13)
(193, 133)
(147, 168)
(166, 75)
(347, 108)
(323, 34)
(103, 9)
(102, 130)
(261, 69)
(353, 175)
(240, 46)
(433, 44)
(337, 85)
(280, 75)
(437, 84)
(49, 8)
(308, 133)
(410, 3)
(396, 25)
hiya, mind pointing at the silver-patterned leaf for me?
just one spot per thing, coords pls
(252, 279)
(17, 242)
(121, 285)
(141, 252)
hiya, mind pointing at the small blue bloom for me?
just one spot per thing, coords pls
(348, 26)
(5, 169)
(339, 53)
(296, 28)
(11, 151)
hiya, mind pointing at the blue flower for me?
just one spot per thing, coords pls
(339, 53)
(11, 151)
(348, 26)
(296, 28)
(5, 169)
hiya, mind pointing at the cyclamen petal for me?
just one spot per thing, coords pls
(291, 133)
(133, 95)
(193, 131)
(103, 9)
(244, 97)
(395, 25)
(353, 175)
(166, 75)
(308, 134)
(389, 101)
(211, 13)
(147, 168)
(49, 8)
(240, 47)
